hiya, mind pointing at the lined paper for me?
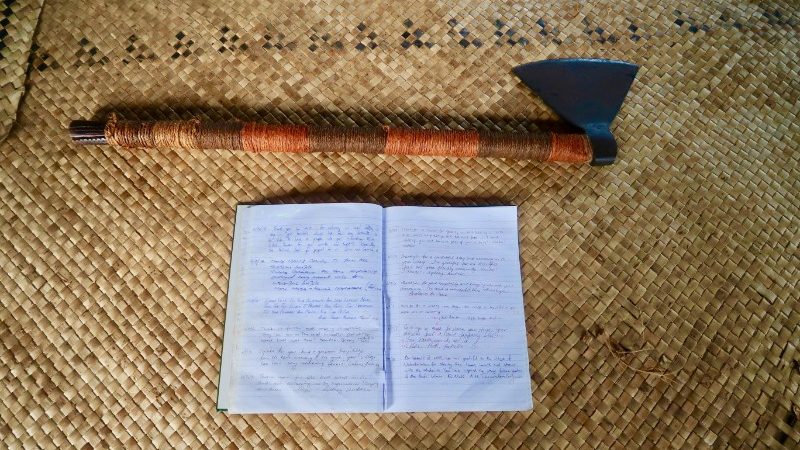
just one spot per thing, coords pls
(307, 296)
(456, 328)
(357, 308)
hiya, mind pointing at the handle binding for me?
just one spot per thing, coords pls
(259, 137)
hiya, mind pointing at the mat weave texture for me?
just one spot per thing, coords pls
(661, 293)
(17, 24)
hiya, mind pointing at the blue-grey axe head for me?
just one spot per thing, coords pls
(587, 93)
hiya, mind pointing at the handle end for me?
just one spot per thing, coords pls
(88, 132)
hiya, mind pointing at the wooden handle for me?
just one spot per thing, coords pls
(258, 137)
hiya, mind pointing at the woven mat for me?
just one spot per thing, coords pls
(661, 293)
(17, 24)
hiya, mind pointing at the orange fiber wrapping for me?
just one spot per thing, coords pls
(431, 143)
(258, 137)
(570, 148)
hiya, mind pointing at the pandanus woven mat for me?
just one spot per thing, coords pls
(661, 293)
(17, 25)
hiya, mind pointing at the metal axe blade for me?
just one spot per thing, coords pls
(587, 93)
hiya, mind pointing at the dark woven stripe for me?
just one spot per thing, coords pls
(351, 140)
(515, 146)
(221, 135)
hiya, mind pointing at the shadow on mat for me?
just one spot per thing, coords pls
(360, 195)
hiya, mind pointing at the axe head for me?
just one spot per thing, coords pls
(585, 92)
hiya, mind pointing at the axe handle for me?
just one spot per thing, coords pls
(258, 137)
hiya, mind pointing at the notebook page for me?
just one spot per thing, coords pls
(308, 332)
(456, 335)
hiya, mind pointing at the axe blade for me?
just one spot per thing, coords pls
(588, 93)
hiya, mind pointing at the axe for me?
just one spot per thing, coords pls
(585, 92)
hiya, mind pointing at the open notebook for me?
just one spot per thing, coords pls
(359, 308)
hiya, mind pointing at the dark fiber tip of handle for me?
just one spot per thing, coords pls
(88, 132)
